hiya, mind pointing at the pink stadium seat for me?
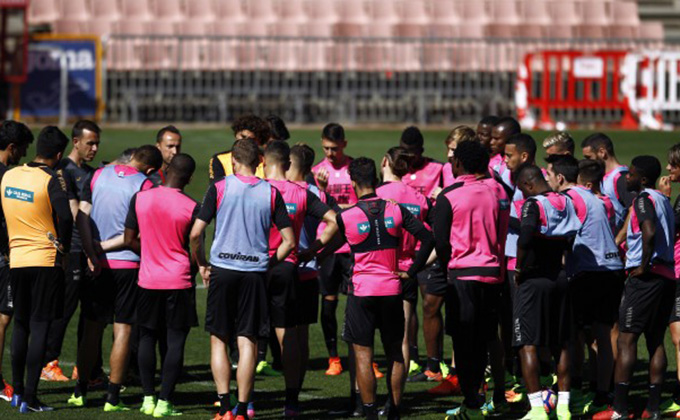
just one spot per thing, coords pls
(352, 11)
(260, 10)
(223, 53)
(413, 12)
(43, 11)
(69, 26)
(444, 12)
(564, 19)
(506, 19)
(200, 10)
(162, 53)
(284, 28)
(136, 9)
(625, 20)
(128, 53)
(106, 9)
(469, 55)
(317, 56)
(382, 12)
(193, 52)
(594, 18)
(378, 55)
(652, 31)
(101, 27)
(321, 11)
(168, 10)
(75, 9)
(473, 11)
(535, 19)
(229, 10)
(291, 11)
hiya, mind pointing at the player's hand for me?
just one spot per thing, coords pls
(518, 278)
(94, 267)
(322, 179)
(403, 275)
(435, 193)
(665, 185)
(205, 275)
(637, 272)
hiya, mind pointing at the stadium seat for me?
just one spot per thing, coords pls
(413, 12)
(106, 10)
(128, 53)
(260, 11)
(352, 11)
(168, 10)
(321, 11)
(652, 31)
(316, 57)
(43, 11)
(594, 19)
(468, 55)
(162, 53)
(193, 52)
(75, 9)
(625, 20)
(564, 19)
(506, 19)
(223, 52)
(200, 10)
(474, 12)
(382, 12)
(291, 11)
(229, 10)
(444, 12)
(535, 19)
(136, 9)
(101, 27)
(69, 26)
(378, 54)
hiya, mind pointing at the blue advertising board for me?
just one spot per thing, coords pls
(39, 96)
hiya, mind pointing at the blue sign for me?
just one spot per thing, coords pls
(291, 208)
(19, 194)
(389, 223)
(40, 93)
(364, 227)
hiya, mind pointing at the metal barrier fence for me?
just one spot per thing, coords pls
(308, 80)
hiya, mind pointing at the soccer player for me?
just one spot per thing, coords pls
(425, 174)
(169, 142)
(373, 228)
(76, 172)
(504, 128)
(111, 296)
(596, 276)
(548, 219)
(649, 293)
(282, 279)
(157, 228)
(245, 127)
(471, 222)
(39, 227)
(277, 128)
(394, 165)
(15, 138)
(559, 143)
(600, 147)
(332, 177)
(590, 175)
(484, 129)
(245, 208)
(672, 405)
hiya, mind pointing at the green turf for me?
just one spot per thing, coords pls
(195, 393)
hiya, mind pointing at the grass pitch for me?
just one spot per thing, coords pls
(196, 393)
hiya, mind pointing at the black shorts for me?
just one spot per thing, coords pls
(409, 290)
(307, 304)
(646, 305)
(675, 312)
(173, 309)
(472, 305)
(364, 314)
(434, 280)
(334, 274)
(37, 293)
(111, 297)
(596, 296)
(6, 305)
(536, 312)
(282, 282)
(237, 304)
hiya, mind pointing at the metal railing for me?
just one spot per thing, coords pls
(309, 80)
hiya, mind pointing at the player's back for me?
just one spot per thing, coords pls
(295, 198)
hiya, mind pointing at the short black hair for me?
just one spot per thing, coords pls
(648, 167)
(524, 144)
(246, 152)
(184, 165)
(511, 125)
(304, 155)
(277, 127)
(473, 156)
(565, 165)
(591, 170)
(51, 142)
(333, 132)
(279, 150)
(126, 155)
(14, 132)
(598, 140)
(254, 124)
(82, 125)
(167, 129)
(528, 172)
(489, 120)
(362, 172)
(149, 155)
(412, 138)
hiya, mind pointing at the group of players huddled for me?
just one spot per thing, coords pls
(535, 267)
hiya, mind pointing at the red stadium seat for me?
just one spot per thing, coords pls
(168, 10)
(43, 11)
(106, 10)
(200, 10)
(75, 9)
(136, 9)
